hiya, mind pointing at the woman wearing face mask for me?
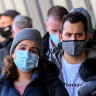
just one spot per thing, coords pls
(26, 73)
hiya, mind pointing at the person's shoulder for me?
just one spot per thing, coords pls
(46, 36)
(87, 69)
(45, 64)
(87, 73)
(50, 77)
(48, 69)
(3, 79)
(87, 88)
(56, 52)
(91, 48)
(90, 43)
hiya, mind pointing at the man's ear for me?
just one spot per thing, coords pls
(60, 37)
(46, 26)
(88, 37)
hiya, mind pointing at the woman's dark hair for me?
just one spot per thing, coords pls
(74, 17)
(10, 69)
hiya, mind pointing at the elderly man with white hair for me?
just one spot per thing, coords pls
(21, 22)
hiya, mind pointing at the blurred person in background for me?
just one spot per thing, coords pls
(53, 26)
(6, 21)
(26, 73)
(21, 22)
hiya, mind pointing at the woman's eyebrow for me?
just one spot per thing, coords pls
(22, 45)
(34, 47)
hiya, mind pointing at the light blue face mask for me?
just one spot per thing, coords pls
(26, 61)
(55, 38)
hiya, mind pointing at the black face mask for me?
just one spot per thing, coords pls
(6, 32)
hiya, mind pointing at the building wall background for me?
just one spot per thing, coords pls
(37, 9)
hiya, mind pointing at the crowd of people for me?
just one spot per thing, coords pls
(62, 63)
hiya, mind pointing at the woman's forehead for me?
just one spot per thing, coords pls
(27, 43)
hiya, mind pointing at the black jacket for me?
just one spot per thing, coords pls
(87, 73)
(46, 45)
(4, 50)
(44, 83)
(5, 43)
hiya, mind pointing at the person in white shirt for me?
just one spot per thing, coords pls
(73, 50)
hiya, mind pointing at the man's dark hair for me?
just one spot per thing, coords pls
(58, 12)
(11, 13)
(75, 17)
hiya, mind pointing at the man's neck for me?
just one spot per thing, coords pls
(74, 59)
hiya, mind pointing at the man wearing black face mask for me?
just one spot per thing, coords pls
(73, 51)
(6, 32)
(6, 21)
(6, 38)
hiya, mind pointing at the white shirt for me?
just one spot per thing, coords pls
(71, 77)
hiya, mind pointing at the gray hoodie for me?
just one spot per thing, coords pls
(88, 17)
(57, 55)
